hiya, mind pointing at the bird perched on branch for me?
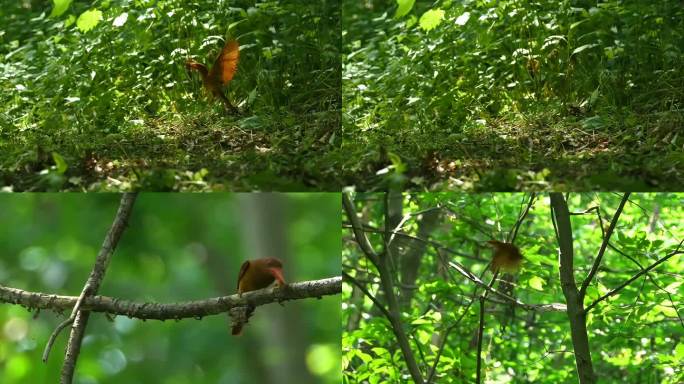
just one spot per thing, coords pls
(254, 275)
(505, 256)
(221, 73)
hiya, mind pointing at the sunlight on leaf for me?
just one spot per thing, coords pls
(120, 20)
(431, 19)
(405, 7)
(666, 309)
(537, 283)
(582, 48)
(672, 288)
(71, 19)
(679, 352)
(60, 7)
(88, 20)
(461, 20)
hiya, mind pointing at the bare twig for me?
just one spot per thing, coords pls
(80, 318)
(602, 250)
(367, 293)
(631, 279)
(357, 228)
(480, 331)
(521, 218)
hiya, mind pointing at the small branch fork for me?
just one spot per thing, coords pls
(79, 318)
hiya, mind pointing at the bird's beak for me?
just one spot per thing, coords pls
(278, 274)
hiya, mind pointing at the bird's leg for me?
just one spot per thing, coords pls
(229, 106)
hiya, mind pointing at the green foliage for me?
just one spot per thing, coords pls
(177, 247)
(549, 92)
(635, 336)
(106, 88)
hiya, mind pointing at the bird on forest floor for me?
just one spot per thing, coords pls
(221, 73)
(254, 275)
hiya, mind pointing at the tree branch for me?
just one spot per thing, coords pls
(357, 228)
(80, 318)
(630, 280)
(381, 263)
(602, 250)
(367, 293)
(175, 311)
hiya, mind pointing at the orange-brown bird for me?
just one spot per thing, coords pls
(505, 256)
(260, 273)
(254, 275)
(221, 73)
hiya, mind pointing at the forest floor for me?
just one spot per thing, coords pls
(553, 148)
(198, 151)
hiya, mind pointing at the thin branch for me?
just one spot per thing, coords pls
(521, 217)
(480, 332)
(92, 285)
(602, 250)
(553, 307)
(175, 311)
(90, 288)
(363, 289)
(370, 229)
(433, 370)
(357, 228)
(626, 283)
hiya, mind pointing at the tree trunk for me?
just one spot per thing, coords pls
(575, 307)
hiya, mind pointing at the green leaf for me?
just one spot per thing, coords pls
(88, 20)
(404, 7)
(594, 96)
(60, 7)
(679, 352)
(366, 358)
(59, 162)
(431, 19)
(537, 283)
(672, 288)
(582, 48)
(666, 310)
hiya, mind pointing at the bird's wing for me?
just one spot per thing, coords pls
(226, 63)
(243, 270)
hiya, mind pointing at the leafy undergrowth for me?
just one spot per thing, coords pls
(508, 95)
(98, 98)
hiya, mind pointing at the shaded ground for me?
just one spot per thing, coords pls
(542, 151)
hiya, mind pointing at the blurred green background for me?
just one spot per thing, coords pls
(177, 247)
